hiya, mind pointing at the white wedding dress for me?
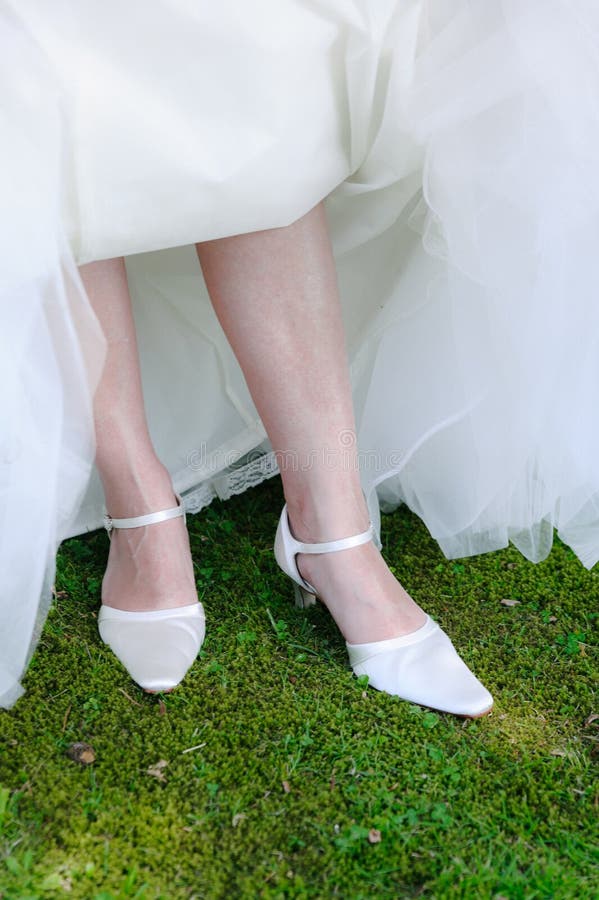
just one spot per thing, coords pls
(457, 144)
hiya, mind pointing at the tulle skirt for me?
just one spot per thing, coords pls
(456, 147)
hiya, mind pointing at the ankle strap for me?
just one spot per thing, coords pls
(150, 519)
(331, 546)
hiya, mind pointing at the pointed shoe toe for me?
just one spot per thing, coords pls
(424, 668)
(156, 647)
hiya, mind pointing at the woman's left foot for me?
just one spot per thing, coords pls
(365, 599)
(389, 638)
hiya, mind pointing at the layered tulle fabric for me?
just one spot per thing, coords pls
(51, 351)
(456, 144)
(498, 354)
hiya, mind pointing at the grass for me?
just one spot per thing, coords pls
(284, 777)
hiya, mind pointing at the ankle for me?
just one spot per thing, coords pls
(321, 514)
(137, 490)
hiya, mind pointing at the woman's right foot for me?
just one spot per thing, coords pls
(149, 568)
(150, 615)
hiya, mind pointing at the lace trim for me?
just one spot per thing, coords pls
(250, 471)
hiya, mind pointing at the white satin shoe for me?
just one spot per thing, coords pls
(156, 647)
(422, 667)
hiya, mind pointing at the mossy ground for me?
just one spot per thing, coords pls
(280, 763)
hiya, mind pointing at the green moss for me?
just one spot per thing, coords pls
(280, 763)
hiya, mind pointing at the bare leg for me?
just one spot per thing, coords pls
(148, 568)
(275, 294)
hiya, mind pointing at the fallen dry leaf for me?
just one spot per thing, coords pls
(374, 836)
(507, 602)
(81, 753)
(156, 770)
(592, 718)
(286, 786)
(237, 818)
(161, 707)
